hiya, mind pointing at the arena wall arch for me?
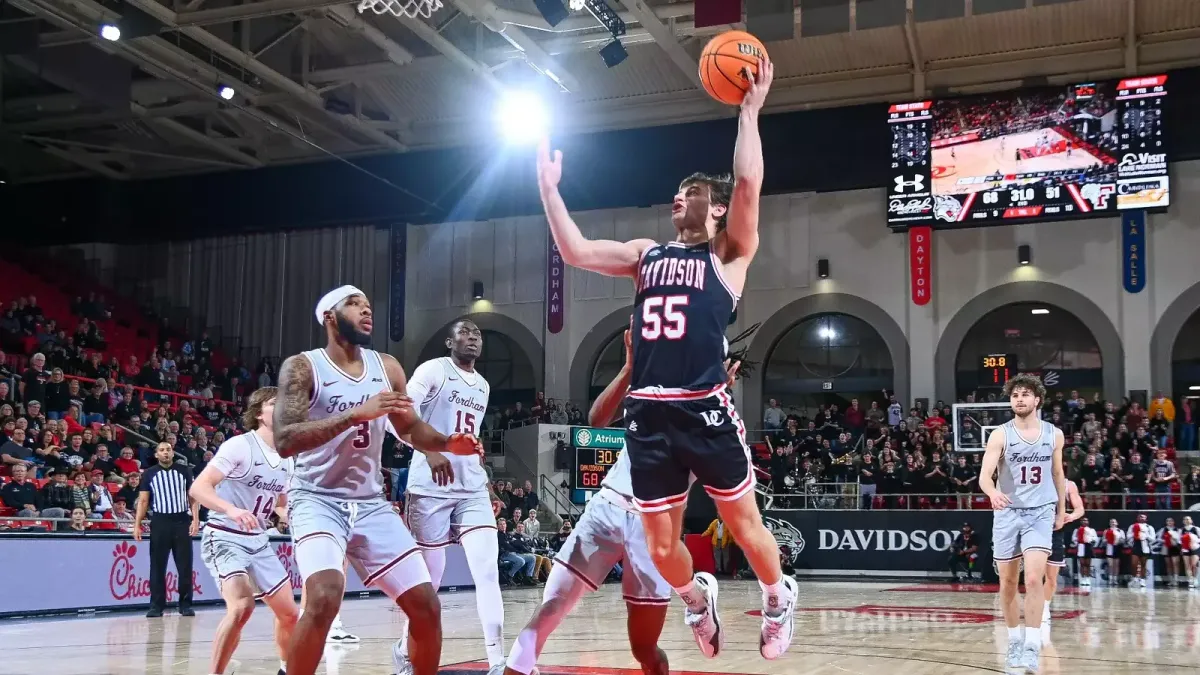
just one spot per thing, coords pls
(774, 328)
(584, 360)
(526, 340)
(1112, 351)
(1166, 332)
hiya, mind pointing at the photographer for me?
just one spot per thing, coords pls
(964, 552)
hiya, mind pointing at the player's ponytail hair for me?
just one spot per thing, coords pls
(1026, 381)
(254, 407)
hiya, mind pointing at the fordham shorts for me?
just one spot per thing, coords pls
(1017, 530)
(669, 441)
(367, 532)
(440, 521)
(606, 535)
(227, 554)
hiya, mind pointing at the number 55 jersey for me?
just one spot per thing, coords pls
(451, 400)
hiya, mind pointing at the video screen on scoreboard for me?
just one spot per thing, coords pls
(1051, 153)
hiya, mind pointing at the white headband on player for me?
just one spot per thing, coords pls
(332, 298)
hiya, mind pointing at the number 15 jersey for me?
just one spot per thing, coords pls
(682, 306)
(450, 400)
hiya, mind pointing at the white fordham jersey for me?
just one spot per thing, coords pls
(255, 476)
(347, 467)
(1027, 470)
(618, 478)
(450, 400)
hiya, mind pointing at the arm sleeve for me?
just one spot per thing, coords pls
(426, 382)
(233, 458)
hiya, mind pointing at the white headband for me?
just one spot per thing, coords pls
(332, 298)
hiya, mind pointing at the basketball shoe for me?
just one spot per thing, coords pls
(1031, 658)
(777, 626)
(706, 625)
(338, 633)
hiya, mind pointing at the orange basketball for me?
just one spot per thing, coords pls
(723, 61)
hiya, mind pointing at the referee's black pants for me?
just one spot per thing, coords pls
(169, 533)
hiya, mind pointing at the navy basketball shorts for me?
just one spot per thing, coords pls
(1058, 549)
(671, 441)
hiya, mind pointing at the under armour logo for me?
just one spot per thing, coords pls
(917, 183)
(712, 417)
(633, 426)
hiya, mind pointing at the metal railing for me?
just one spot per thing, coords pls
(552, 496)
(62, 525)
(849, 497)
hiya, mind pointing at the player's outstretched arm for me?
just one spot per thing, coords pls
(603, 256)
(1075, 502)
(742, 220)
(987, 473)
(408, 424)
(294, 432)
(1060, 479)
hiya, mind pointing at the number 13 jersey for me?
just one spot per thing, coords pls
(682, 306)
(450, 400)
(1027, 476)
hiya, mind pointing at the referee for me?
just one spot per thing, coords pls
(164, 491)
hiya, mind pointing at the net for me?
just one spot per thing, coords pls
(405, 8)
(974, 422)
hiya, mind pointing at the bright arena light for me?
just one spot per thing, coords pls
(226, 92)
(827, 333)
(110, 32)
(522, 117)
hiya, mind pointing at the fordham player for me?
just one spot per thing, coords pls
(679, 419)
(1029, 505)
(332, 413)
(243, 488)
(610, 531)
(1057, 559)
(452, 396)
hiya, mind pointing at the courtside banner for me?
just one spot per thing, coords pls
(65, 573)
(556, 288)
(1133, 250)
(920, 263)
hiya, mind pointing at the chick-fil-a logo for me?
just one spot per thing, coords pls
(287, 555)
(125, 584)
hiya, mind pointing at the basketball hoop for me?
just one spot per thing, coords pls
(403, 8)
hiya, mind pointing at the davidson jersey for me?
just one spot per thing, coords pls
(450, 400)
(682, 307)
(1027, 474)
(255, 476)
(347, 467)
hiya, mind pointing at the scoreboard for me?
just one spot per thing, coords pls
(1052, 153)
(596, 451)
(996, 369)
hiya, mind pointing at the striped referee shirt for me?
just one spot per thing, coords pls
(168, 488)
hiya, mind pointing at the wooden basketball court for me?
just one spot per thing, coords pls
(844, 628)
(986, 157)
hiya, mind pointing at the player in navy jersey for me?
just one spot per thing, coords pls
(679, 416)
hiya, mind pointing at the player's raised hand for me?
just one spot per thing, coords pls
(383, 403)
(760, 84)
(440, 466)
(731, 370)
(999, 501)
(549, 166)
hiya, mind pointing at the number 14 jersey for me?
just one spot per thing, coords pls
(682, 306)
(450, 400)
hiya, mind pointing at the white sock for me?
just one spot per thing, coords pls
(1033, 638)
(1016, 634)
(772, 594)
(337, 622)
(693, 597)
(283, 665)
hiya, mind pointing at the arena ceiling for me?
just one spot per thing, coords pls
(315, 75)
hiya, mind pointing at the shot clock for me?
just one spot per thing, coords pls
(996, 369)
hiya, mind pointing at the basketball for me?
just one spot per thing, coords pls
(722, 62)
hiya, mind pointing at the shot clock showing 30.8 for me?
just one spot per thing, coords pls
(996, 369)
(592, 465)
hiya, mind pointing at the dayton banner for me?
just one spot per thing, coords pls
(920, 263)
(1133, 250)
(99, 571)
(397, 268)
(556, 287)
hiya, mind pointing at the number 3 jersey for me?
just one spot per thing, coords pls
(682, 306)
(255, 476)
(1027, 475)
(451, 400)
(348, 466)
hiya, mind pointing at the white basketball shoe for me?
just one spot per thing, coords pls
(706, 625)
(777, 628)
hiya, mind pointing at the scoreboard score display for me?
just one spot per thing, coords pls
(596, 451)
(996, 369)
(1051, 153)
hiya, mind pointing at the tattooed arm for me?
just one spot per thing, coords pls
(295, 433)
